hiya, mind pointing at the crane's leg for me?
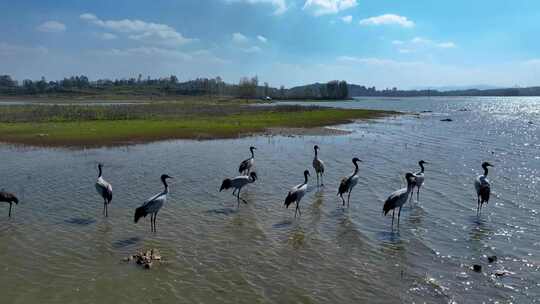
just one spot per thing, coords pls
(349, 197)
(398, 216)
(151, 222)
(317, 179)
(478, 207)
(341, 194)
(322, 181)
(417, 194)
(10, 204)
(410, 198)
(234, 192)
(155, 225)
(393, 211)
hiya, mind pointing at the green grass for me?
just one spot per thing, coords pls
(58, 132)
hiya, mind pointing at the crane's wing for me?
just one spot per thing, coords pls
(104, 188)
(393, 200)
(244, 165)
(8, 197)
(292, 196)
(344, 185)
(152, 205)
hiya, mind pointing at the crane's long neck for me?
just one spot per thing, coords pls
(409, 185)
(305, 179)
(166, 189)
(421, 167)
(99, 168)
(355, 168)
(485, 170)
(316, 154)
(252, 154)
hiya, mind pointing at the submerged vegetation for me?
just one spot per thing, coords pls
(96, 125)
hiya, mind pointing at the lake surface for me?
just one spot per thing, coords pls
(58, 247)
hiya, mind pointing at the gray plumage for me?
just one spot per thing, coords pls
(482, 187)
(105, 190)
(318, 165)
(153, 204)
(296, 194)
(9, 198)
(398, 198)
(238, 183)
(247, 164)
(348, 182)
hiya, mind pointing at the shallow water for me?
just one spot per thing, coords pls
(58, 247)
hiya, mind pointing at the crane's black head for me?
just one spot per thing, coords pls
(423, 162)
(100, 165)
(252, 148)
(356, 159)
(253, 175)
(165, 176)
(486, 164)
(316, 148)
(306, 173)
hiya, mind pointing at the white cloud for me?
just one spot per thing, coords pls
(148, 32)
(157, 53)
(324, 7)
(13, 49)
(262, 39)
(107, 36)
(376, 61)
(347, 19)
(388, 19)
(446, 45)
(420, 40)
(420, 43)
(239, 38)
(253, 49)
(52, 27)
(280, 6)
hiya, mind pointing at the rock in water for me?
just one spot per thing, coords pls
(145, 258)
(477, 268)
(492, 258)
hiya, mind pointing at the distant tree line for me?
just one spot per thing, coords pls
(247, 87)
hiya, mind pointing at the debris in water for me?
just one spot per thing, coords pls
(447, 119)
(145, 258)
(477, 268)
(492, 258)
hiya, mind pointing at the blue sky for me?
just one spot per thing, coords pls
(384, 43)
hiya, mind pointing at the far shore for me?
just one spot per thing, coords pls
(80, 126)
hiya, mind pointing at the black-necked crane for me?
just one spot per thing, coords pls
(247, 164)
(9, 198)
(483, 188)
(153, 204)
(296, 193)
(348, 182)
(104, 189)
(418, 180)
(238, 183)
(398, 198)
(318, 165)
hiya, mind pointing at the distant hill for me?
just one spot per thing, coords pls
(459, 88)
(358, 91)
